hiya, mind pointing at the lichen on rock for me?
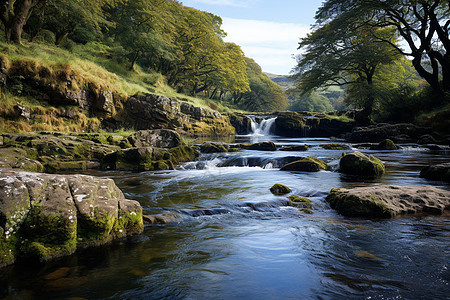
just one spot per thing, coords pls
(357, 163)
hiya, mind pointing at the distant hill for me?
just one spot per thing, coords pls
(284, 81)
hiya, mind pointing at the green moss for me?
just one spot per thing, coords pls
(280, 189)
(129, 223)
(308, 164)
(7, 249)
(96, 229)
(306, 210)
(47, 236)
(335, 147)
(357, 163)
(298, 201)
(354, 206)
(213, 148)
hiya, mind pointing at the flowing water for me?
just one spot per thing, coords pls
(232, 239)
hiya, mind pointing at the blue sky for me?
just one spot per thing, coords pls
(267, 31)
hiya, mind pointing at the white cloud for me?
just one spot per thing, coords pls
(236, 3)
(271, 44)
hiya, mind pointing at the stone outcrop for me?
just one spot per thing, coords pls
(44, 216)
(307, 164)
(436, 172)
(241, 123)
(295, 124)
(357, 163)
(388, 201)
(399, 133)
(155, 111)
(52, 152)
(148, 158)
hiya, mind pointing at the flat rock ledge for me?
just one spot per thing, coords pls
(44, 216)
(387, 201)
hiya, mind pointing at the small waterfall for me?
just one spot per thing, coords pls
(263, 127)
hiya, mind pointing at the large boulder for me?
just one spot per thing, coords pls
(357, 163)
(159, 138)
(307, 164)
(436, 172)
(44, 216)
(388, 201)
(386, 144)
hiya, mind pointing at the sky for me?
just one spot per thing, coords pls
(267, 30)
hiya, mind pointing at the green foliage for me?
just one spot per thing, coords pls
(313, 102)
(264, 94)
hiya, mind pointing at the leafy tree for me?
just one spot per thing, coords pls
(313, 102)
(423, 24)
(340, 55)
(264, 95)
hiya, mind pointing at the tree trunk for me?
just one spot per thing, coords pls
(21, 18)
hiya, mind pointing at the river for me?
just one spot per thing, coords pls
(233, 239)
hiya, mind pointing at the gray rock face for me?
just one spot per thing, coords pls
(388, 201)
(159, 138)
(44, 216)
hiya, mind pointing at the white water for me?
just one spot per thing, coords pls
(263, 128)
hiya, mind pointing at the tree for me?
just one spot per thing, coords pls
(342, 55)
(14, 14)
(423, 24)
(264, 95)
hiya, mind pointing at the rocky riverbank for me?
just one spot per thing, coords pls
(44, 216)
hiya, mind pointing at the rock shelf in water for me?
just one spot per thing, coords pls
(45, 216)
(387, 201)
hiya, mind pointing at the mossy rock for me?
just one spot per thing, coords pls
(386, 144)
(295, 148)
(357, 163)
(213, 148)
(351, 205)
(300, 202)
(306, 210)
(280, 189)
(307, 164)
(264, 146)
(335, 147)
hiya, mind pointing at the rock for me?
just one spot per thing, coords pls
(148, 158)
(335, 147)
(386, 144)
(241, 123)
(165, 218)
(22, 111)
(159, 138)
(357, 163)
(213, 148)
(299, 202)
(308, 164)
(279, 189)
(396, 132)
(295, 124)
(150, 111)
(295, 148)
(426, 139)
(46, 216)
(388, 201)
(436, 172)
(264, 146)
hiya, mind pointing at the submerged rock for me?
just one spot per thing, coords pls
(279, 189)
(264, 146)
(307, 164)
(213, 148)
(386, 144)
(357, 163)
(295, 148)
(388, 201)
(44, 216)
(335, 147)
(299, 202)
(436, 172)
